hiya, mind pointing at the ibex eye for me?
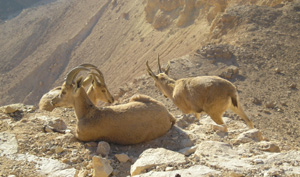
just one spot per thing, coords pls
(103, 91)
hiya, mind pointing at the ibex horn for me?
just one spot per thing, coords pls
(87, 65)
(159, 67)
(149, 70)
(99, 74)
(73, 73)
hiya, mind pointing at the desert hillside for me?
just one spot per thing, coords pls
(43, 42)
(254, 44)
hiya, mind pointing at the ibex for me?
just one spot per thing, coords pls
(96, 91)
(210, 94)
(140, 120)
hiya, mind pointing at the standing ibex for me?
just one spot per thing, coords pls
(96, 91)
(140, 120)
(210, 94)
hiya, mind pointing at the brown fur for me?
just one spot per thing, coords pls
(210, 94)
(140, 120)
(96, 91)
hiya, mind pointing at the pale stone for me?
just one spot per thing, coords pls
(223, 156)
(186, 142)
(4, 116)
(11, 108)
(48, 129)
(57, 124)
(214, 148)
(198, 170)
(8, 144)
(46, 166)
(122, 157)
(82, 173)
(103, 148)
(268, 146)
(101, 167)
(59, 150)
(258, 161)
(249, 136)
(188, 150)
(91, 144)
(155, 157)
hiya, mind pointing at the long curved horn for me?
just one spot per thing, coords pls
(73, 73)
(87, 65)
(99, 75)
(167, 68)
(151, 73)
(159, 67)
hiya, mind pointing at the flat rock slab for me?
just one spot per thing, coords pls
(44, 166)
(198, 170)
(155, 157)
(8, 144)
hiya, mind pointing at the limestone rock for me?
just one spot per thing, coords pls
(223, 156)
(91, 144)
(188, 150)
(59, 149)
(8, 144)
(155, 157)
(102, 167)
(11, 108)
(193, 171)
(249, 136)
(103, 148)
(82, 173)
(208, 148)
(4, 116)
(122, 157)
(268, 146)
(46, 166)
(230, 72)
(57, 124)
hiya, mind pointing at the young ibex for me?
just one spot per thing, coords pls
(210, 94)
(140, 120)
(96, 91)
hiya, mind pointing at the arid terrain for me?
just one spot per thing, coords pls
(254, 44)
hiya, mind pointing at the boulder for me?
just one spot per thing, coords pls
(8, 144)
(11, 108)
(101, 166)
(253, 135)
(268, 146)
(155, 157)
(122, 157)
(198, 170)
(103, 148)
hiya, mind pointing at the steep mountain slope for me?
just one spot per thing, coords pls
(42, 43)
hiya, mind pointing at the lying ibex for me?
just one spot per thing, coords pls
(96, 91)
(210, 94)
(140, 120)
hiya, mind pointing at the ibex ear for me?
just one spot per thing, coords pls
(167, 69)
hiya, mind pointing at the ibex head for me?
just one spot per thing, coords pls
(162, 81)
(99, 90)
(69, 89)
